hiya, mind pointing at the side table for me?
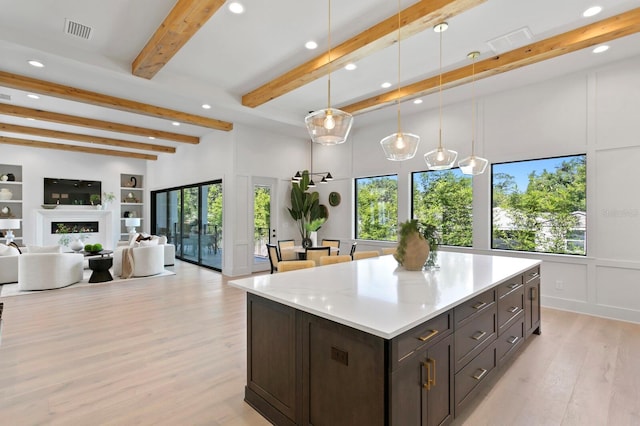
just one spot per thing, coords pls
(100, 267)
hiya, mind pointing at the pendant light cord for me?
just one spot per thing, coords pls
(473, 105)
(398, 89)
(440, 92)
(329, 59)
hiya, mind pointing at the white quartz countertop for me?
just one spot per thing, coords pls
(379, 297)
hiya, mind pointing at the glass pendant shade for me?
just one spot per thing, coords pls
(329, 126)
(400, 146)
(473, 165)
(440, 158)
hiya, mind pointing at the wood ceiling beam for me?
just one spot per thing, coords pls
(72, 120)
(42, 87)
(414, 19)
(84, 149)
(612, 28)
(35, 131)
(184, 20)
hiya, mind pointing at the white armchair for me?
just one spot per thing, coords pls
(9, 269)
(43, 271)
(147, 260)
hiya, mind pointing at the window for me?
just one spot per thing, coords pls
(540, 205)
(443, 199)
(377, 208)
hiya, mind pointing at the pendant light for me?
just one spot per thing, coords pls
(473, 165)
(440, 158)
(400, 146)
(329, 126)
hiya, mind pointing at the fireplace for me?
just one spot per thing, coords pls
(96, 225)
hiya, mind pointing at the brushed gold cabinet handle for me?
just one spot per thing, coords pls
(514, 285)
(432, 381)
(428, 336)
(427, 384)
(479, 305)
(534, 275)
(513, 339)
(480, 375)
(534, 293)
(479, 336)
(513, 309)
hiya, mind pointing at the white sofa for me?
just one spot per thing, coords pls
(8, 264)
(147, 260)
(169, 249)
(43, 271)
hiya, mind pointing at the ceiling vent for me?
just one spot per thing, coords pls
(5, 97)
(76, 29)
(513, 40)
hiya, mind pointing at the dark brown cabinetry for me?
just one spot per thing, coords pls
(532, 301)
(307, 370)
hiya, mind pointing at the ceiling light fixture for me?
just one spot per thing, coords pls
(400, 146)
(206, 106)
(306, 174)
(329, 126)
(601, 49)
(385, 85)
(236, 7)
(175, 123)
(440, 158)
(417, 101)
(32, 96)
(311, 45)
(350, 67)
(592, 11)
(473, 165)
(35, 63)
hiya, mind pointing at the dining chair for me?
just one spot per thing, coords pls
(292, 265)
(365, 254)
(332, 243)
(389, 250)
(274, 256)
(286, 250)
(314, 253)
(329, 260)
(353, 248)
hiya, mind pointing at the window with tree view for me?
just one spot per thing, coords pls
(377, 208)
(540, 205)
(443, 199)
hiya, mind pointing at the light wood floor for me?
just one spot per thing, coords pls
(171, 350)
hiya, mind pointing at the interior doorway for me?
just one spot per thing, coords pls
(264, 221)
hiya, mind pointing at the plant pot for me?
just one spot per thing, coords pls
(416, 252)
(313, 236)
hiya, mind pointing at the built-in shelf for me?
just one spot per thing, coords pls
(12, 209)
(131, 200)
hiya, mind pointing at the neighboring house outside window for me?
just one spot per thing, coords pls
(540, 205)
(444, 199)
(376, 208)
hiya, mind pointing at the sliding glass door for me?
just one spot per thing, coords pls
(191, 218)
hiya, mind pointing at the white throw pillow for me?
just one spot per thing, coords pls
(45, 249)
(8, 250)
(151, 242)
(162, 240)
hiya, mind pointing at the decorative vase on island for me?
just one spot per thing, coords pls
(416, 252)
(76, 245)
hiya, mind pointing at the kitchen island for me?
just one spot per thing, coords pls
(367, 342)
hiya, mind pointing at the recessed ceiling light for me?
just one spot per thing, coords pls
(31, 119)
(35, 63)
(601, 49)
(151, 137)
(206, 106)
(236, 7)
(417, 101)
(592, 11)
(441, 27)
(311, 45)
(350, 67)
(175, 123)
(32, 96)
(385, 85)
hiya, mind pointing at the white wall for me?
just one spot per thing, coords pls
(39, 163)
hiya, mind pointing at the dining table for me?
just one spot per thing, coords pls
(289, 253)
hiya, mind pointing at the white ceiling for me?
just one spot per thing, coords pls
(234, 54)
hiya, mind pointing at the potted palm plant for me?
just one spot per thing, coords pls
(305, 209)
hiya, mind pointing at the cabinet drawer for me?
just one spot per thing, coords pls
(510, 339)
(509, 286)
(424, 334)
(472, 375)
(532, 275)
(474, 337)
(473, 307)
(509, 307)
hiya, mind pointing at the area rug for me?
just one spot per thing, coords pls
(7, 290)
